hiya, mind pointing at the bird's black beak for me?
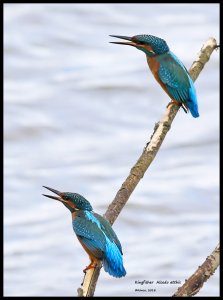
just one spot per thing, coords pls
(131, 43)
(56, 192)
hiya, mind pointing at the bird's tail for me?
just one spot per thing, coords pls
(192, 101)
(112, 261)
(193, 109)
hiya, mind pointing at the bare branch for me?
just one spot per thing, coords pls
(90, 281)
(137, 172)
(193, 285)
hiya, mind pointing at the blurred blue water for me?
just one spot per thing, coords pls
(77, 113)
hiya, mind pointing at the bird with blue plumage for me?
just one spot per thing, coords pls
(94, 232)
(167, 69)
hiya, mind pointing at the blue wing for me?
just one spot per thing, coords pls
(106, 227)
(174, 75)
(178, 81)
(89, 234)
(112, 261)
(92, 247)
(98, 237)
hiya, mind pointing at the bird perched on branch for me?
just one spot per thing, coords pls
(93, 232)
(167, 69)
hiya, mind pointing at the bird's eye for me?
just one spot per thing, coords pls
(66, 197)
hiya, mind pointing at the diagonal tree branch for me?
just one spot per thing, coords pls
(138, 170)
(193, 285)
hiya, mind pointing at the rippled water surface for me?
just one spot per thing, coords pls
(78, 112)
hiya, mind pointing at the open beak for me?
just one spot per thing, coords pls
(56, 192)
(131, 43)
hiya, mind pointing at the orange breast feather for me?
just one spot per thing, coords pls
(154, 67)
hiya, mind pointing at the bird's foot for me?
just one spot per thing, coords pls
(91, 266)
(174, 102)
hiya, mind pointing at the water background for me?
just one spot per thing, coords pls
(78, 112)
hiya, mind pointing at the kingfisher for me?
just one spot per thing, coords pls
(167, 69)
(93, 232)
